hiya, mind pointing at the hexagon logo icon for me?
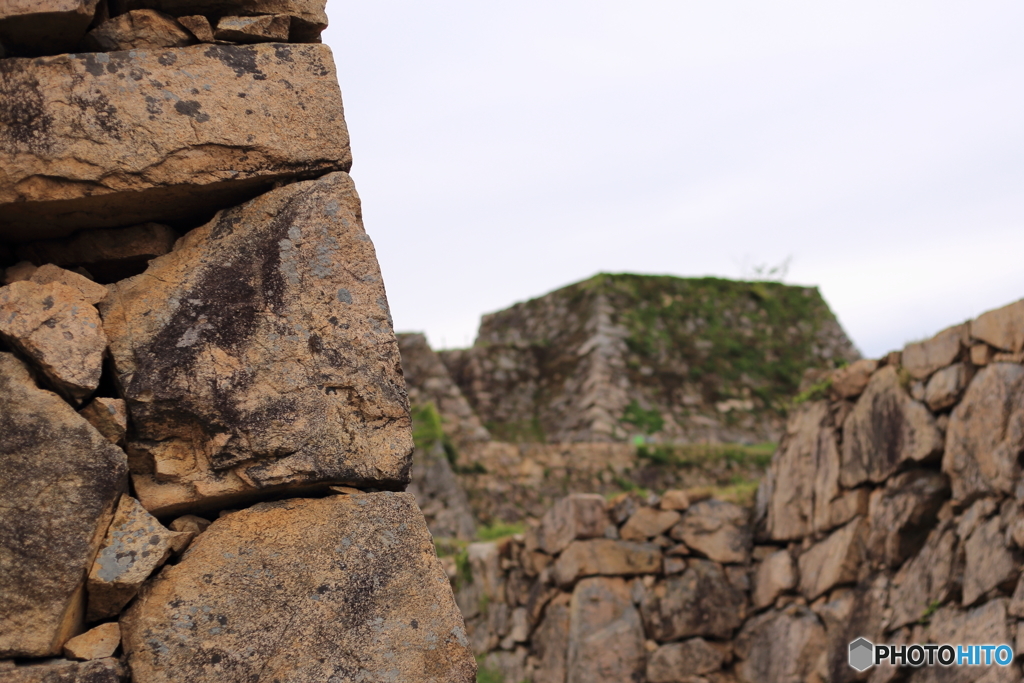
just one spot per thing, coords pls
(862, 654)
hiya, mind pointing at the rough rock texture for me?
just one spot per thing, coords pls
(781, 646)
(902, 512)
(60, 671)
(141, 29)
(58, 330)
(886, 429)
(850, 381)
(1003, 328)
(605, 556)
(606, 637)
(262, 29)
(96, 643)
(776, 574)
(945, 386)
(646, 523)
(551, 642)
(989, 563)
(136, 545)
(986, 432)
(676, 662)
(983, 624)
(833, 561)
(921, 359)
(259, 356)
(303, 589)
(61, 480)
(109, 416)
(199, 26)
(439, 495)
(308, 16)
(108, 255)
(698, 602)
(90, 291)
(925, 579)
(574, 517)
(717, 529)
(111, 139)
(35, 27)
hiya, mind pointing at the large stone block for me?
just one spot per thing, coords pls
(259, 355)
(782, 646)
(902, 512)
(1003, 328)
(921, 359)
(717, 529)
(989, 563)
(112, 139)
(39, 27)
(340, 588)
(926, 579)
(606, 637)
(606, 557)
(61, 480)
(308, 17)
(581, 515)
(107, 670)
(699, 602)
(833, 561)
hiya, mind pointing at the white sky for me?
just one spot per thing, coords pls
(503, 150)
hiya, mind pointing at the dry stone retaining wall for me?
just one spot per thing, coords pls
(204, 430)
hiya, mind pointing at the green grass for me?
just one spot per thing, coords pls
(815, 392)
(740, 491)
(702, 455)
(428, 429)
(499, 530)
(485, 674)
(647, 421)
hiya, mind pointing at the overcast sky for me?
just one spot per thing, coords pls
(503, 150)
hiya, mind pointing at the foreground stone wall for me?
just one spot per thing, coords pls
(893, 509)
(204, 430)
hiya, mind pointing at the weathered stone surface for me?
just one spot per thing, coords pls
(39, 27)
(439, 495)
(62, 671)
(19, 272)
(886, 429)
(61, 480)
(781, 646)
(308, 16)
(646, 523)
(303, 589)
(804, 474)
(981, 354)
(848, 614)
(90, 291)
(58, 330)
(926, 579)
(945, 387)
(717, 529)
(578, 516)
(109, 255)
(141, 29)
(551, 642)
(674, 499)
(1003, 328)
(96, 643)
(902, 512)
(190, 524)
(983, 624)
(698, 602)
(986, 432)
(606, 636)
(268, 28)
(850, 381)
(834, 560)
(129, 151)
(109, 416)
(136, 545)
(921, 359)
(676, 662)
(989, 563)
(199, 26)
(606, 557)
(259, 355)
(775, 575)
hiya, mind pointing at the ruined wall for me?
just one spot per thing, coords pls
(204, 430)
(893, 509)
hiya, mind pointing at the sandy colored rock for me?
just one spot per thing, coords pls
(551, 642)
(63, 671)
(135, 546)
(833, 561)
(141, 29)
(259, 356)
(58, 330)
(606, 636)
(786, 645)
(945, 386)
(308, 16)
(1002, 328)
(61, 480)
(675, 662)
(850, 381)
(921, 359)
(646, 523)
(674, 499)
(93, 293)
(162, 134)
(698, 602)
(981, 354)
(926, 579)
(19, 272)
(110, 254)
(96, 643)
(989, 563)
(775, 575)
(606, 557)
(199, 26)
(886, 430)
(303, 589)
(717, 529)
(901, 513)
(986, 432)
(579, 516)
(40, 27)
(272, 28)
(109, 416)
(191, 524)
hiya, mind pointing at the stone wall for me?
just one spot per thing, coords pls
(204, 429)
(893, 509)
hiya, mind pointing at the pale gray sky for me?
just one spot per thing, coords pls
(503, 150)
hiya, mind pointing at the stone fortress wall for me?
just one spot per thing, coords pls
(204, 429)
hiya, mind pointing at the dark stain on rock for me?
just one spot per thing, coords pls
(192, 109)
(240, 59)
(24, 121)
(167, 58)
(153, 106)
(102, 112)
(283, 53)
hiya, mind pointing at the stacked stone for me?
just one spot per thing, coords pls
(194, 329)
(893, 510)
